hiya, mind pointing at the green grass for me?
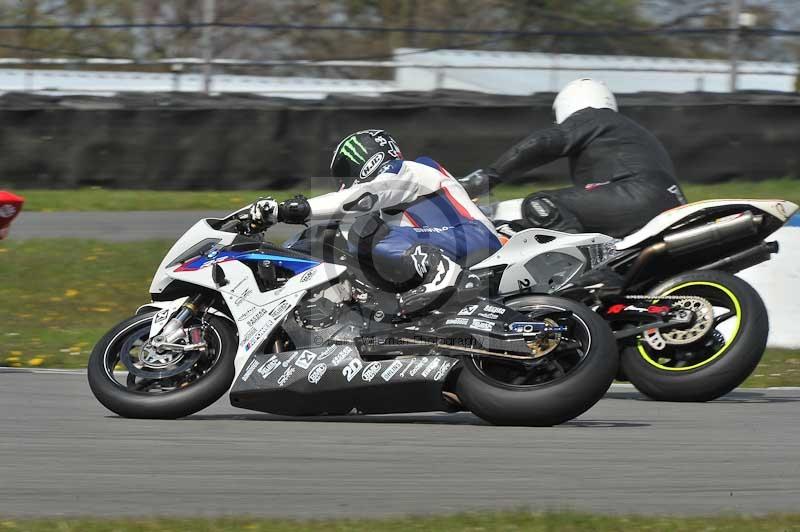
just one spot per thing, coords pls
(65, 294)
(98, 199)
(507, 521)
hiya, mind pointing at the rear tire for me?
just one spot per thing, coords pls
(720, 374)
(174, 404)
(550, 403)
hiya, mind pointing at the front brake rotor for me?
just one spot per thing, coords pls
(152, 364)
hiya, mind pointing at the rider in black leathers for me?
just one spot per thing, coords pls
(622, 175)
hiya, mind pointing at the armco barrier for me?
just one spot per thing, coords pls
(185, 141)
(778, 282)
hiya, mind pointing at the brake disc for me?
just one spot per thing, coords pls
(544, 344)
(703, 312)
(150, 364)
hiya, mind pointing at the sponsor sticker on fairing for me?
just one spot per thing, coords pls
(488, 315)
(288, 361)
(442, 371)
(482, 325)
(370, 371)
(269, 366)
(457, 321)
(251, 367)
(494, 309)
(305, 359)
(317, 372)
(468, 310)
(393, 368)
(432, 366)
(352, 369)
(258, 315)
(282, 307)
(422, 362)
(328, 352)
(284, 378)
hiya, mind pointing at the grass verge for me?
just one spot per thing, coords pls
(507, 521)
(98, 199)
(63, 295)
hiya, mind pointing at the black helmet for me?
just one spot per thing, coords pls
(362, 155)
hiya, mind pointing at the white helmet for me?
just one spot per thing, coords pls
(580, 94)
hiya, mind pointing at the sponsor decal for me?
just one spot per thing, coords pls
(420, 259)
(422, 362)
(468, 310)
(288, 361)
(247, 336)
(282, 307)
(482, 325)
(239, 300)
(269, 366)
(247, 313)
(457, 321)
(353, 150)
(352, 369)
(488, 316)
(258, 336)
(251, 367)
(317, 372)
(410, 363)
(437, 230)
(432, 366)
(370, 371)
(260, 314)
(328, 351)
(284, 378)
(493, 309)
(371, 164)
(393, 368)
(442, 371)
(340, 357)
(308, 275)
(305, 359)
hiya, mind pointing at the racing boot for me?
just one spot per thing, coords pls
(438, 278)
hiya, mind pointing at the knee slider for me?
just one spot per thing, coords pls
(540, 211)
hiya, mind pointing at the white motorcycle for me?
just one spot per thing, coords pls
(688, 329)
(305, 333)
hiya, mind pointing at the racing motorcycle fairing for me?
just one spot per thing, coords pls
(781, 210)
(541, 260)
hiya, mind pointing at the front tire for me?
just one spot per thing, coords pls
(196, 393)
(549, 403)
(715, 364)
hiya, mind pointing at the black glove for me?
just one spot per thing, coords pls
(294, 211)
(478, 182)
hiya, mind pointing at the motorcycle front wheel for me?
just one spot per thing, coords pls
(573, 372)
(131, 379)
(725, 352)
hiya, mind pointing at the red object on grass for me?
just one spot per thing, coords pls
(10, 205)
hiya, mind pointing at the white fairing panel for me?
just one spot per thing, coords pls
(780, 209)
(506, 210)
(523, 246)
(197, 233)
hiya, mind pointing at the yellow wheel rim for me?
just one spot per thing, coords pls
(737, 308)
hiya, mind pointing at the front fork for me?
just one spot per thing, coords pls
(175, 328)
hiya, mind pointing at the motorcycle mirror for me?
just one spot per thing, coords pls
(218, 275)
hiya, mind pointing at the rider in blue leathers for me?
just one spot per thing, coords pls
(412, 218)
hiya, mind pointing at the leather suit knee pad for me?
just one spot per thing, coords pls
(541, 211)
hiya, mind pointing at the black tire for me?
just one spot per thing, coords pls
(719, 375)
(549, 403)
(172, 404)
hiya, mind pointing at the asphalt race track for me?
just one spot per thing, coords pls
(61, 453)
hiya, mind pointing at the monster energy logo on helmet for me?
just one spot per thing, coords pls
(350, 149)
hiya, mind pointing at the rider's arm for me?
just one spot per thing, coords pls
(389, 189)
(545, 146)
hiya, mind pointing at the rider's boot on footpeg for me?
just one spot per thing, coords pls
(438, 279)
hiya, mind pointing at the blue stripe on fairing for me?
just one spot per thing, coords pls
(296, 265)
(794, 221)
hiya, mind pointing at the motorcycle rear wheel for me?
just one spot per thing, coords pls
(716, 363)
(493, 393)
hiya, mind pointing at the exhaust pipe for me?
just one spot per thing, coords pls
(712, 234)
(697, 238)
(744, 259)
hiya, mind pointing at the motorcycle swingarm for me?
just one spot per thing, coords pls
(635, 331)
